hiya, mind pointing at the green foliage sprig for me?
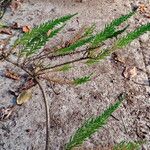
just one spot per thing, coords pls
(124, 145)
(132, 36)
(92, 125)
(110, 29)
(36, 61)
(37, 37)
(82, 80)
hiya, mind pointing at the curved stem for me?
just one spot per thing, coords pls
(44, 98)
(46, 112)
(15, 64)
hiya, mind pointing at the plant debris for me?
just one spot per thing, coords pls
(5, 113)
(24, 96)
(12, 75)
(15, 4)
(49, 32)
(130, 72)
(26, 29)
(117, 57)
(142, 8)
(6, 31)
(28, 84)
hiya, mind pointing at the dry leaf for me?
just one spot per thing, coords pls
(142, 8)
(24, 96)
(6, 31)
(26, 29)
(49, 32)
(15, 26)
(12, 75)
(130, 72)
(15, 4)
(119, 58)
(28, 84)
(5, 113)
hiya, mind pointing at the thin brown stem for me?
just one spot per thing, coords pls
(44, 98)
(42, 71)
(47, 114)
(17, 65)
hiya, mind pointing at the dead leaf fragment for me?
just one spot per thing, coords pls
(5, 113)
(130, 72)
(142, 8)
(6, 31)
(49, 32)
(24, 96)
(26, 29)
(119, 58)
(15, 26)
(15, 4)
(28, 84)
(12, 75)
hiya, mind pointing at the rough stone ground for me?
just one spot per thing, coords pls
(25, 130)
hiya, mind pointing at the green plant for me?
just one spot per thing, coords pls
(34, 60)
(128, 145)
(92, 125)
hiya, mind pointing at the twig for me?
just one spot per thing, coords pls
(42, 71)
(46, 112)
(17, 65)
(44, 98)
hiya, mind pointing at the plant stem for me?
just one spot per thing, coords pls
(17, 65)
(44, 98)
(46, 112)
(42, 71)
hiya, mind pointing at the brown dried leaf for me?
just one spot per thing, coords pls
(15, 26)
(6, 31)
(26, 29)
(15, 4)
(12, 75)
(24, 96)
(5, 113)
(49, 32)
(130, 72)
(142, 8)
(119, 58)
(28, 84)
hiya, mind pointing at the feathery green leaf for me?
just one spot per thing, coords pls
(102, 55)
(37, 37)
(82, 80)
(89, 30)
(92, 125)
(128, 146)
(132, 36)
(110, 30)
(75, 45)
(119, 32)
(35, 44)
(64, 68)
(42, 29)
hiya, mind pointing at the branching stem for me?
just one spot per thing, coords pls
(44, 98)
